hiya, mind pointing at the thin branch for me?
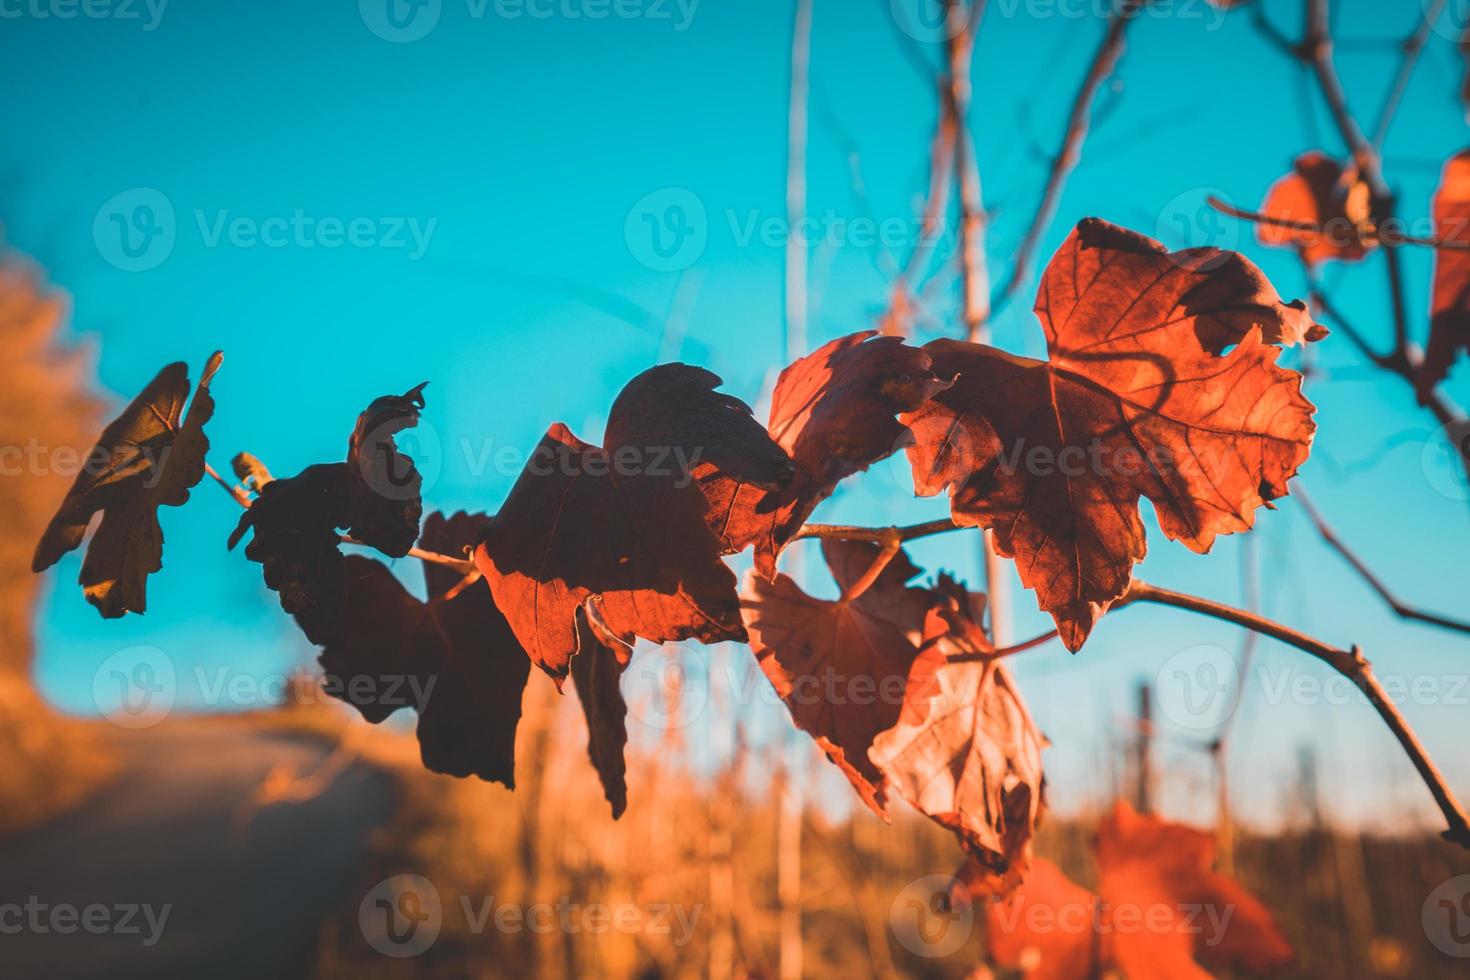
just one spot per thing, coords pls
(877, 535)
(1350, 664)
(891, 545)
(1387, 234)
(1400, 608)
(1413, 46)
(1104, 62)
(234, 490)
(1002, 652)
(961, 18)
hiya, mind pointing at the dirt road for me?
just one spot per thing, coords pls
(171, 872)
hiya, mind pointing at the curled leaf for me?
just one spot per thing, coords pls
(374, 494)
(624, 527)
(1161, 383)
(596, 670)
(150, 456)
(1321, 192)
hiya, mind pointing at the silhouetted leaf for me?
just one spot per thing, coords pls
(596, 670)
(1449, 328)
(148, 457)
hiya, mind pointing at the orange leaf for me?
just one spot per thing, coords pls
(1140, 398)
(1320, 192)
(1449, 330)
(833, 412)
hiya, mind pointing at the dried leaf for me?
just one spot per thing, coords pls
(625, 526)
(1319, 191)
(374, 495)
(833, 412)
(1449, 330)
(453, 658)
(596, 671)
(840, 668)
(964, 750)
(148, 457)
(1139, 399)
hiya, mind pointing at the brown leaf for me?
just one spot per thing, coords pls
(596, 671)
(840, 667)
(964, 750)
(374, 495)
(1160, 908)
(1449, 330)
(1138, 399)
(625, 526)
(1321, 192)
(453, 659)
(833, 412)
(148, 457)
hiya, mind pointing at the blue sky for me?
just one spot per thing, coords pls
(485, 185)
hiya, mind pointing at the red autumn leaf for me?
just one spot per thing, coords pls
(452, 658)
(1139, 398)
(1318, 191)
(625, 526)
(833, 412)
(150, 456)
(1160, 911)
(597, 669)
(964, 750)
(1449, 330)
(374, 496)
(840, 667)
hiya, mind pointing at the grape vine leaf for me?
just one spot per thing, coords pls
(453, 658)
(150, 456)
(597, 667)
(964, 750)
(1157, 869)
(624, 527)
(374, 495)
(841, 668)
(834, 412)
(1162, 383)
(1449, 326)
(1319, 191)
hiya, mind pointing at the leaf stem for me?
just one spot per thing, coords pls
(877, 535)
(891, 543)
(1350, 664)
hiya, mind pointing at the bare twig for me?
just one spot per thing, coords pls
(1413, 46)
(1002, 652)
(891, 544)
(1104, 62)
(1402, 609)
(877, 535)
(961, 18)
(1386, 235)
(1350, 664)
